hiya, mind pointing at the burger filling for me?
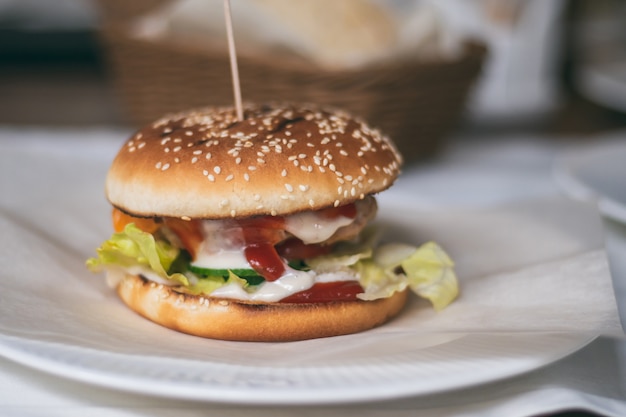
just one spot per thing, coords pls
(312, 256)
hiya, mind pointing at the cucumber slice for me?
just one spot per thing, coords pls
(249, 275)
(219, 272)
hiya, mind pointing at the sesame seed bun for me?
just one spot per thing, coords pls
(254, 322)
(279, 160)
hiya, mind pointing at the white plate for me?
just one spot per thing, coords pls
(434, 364)
(596, 173)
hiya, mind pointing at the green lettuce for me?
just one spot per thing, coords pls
(134, 248)
(427, 270)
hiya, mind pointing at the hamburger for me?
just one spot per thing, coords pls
(260, 229)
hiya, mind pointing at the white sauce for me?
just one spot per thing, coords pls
(222, 259)
(222, 247)
(291, 282)
(310, 227)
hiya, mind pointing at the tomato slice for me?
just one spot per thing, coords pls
(188, 231)
(295, 249)
(347, 210)
(263, 222)
(121, 219)
(325, 292)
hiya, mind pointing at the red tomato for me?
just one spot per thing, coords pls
(121, 219)
(188, 231)
(326, 292)
(295, 249)
(348, 210)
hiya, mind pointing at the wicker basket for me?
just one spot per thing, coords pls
(415, 103)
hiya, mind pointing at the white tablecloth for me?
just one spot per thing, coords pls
(472, 172)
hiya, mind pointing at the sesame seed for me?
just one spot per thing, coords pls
(158, 165)
(257, 197)
(217, 169)
(177, 160)
(246, 176)
(141, 145)
(208, 155)
(284, 173)
(211, 177)
(289, 188)
(166, 166)
(252, 168)
(197, 152)
(166, 150)
(303, 187)
(194, 160)
(186, 218)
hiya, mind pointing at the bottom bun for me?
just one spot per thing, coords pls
(226, 319)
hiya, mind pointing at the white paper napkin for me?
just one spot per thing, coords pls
(532, 267)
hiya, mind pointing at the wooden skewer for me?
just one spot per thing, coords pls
(233, 60)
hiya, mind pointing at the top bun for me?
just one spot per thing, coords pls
(279, 160)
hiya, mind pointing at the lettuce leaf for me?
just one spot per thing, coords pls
(207, 285)
(134, 248)
(427, 270)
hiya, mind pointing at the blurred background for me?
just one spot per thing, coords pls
(421, 70)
